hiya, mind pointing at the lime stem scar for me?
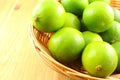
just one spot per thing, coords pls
(99, 68)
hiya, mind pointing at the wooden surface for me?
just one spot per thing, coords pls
(18, 60)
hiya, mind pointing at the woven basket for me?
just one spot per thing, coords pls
(72, 70)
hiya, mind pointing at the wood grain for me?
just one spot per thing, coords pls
(18, 60)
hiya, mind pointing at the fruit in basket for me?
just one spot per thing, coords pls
(72, 21)
(48, 16)
(66, 44)
(112, 34)
(98, 16)
(75, 6)
(99, 59)
(116, 46)
(91, 37)
(116, 14)
(107, 1)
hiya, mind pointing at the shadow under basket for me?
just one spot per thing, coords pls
(73, 70)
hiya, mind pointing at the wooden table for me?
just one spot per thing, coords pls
(18, 60)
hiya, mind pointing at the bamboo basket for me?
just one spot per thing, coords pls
(72, 70)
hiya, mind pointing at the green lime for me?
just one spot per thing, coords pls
(72, 21)
(66, 44)
(116, 46)
(112, 34)
(98, 16)
(107, 1)
(75, 6)
(91, 37)
(48, 16)
(99, 59)
(116, 14)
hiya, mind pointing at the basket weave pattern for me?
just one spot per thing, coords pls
(72, 70)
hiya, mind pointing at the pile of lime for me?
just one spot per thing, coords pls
(85, 29)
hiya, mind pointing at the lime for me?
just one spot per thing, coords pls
(107, 1)
(113, 34)
(98, 16)
(75, 6)
(48, 16)
(91, 37)
(116, 14)
(116, 46)
(72, 21)
(66, 44)
(99, 59)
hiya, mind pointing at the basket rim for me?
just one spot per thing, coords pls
(68, 71)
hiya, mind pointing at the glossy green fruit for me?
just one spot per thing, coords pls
(107, 1)
(98, 16)
(113, 34)
(116, 46)
(99, 59)
(91, 37)
(48, 16)
(72, 21)
(116, 14)
(75, 6)
(66, 44)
